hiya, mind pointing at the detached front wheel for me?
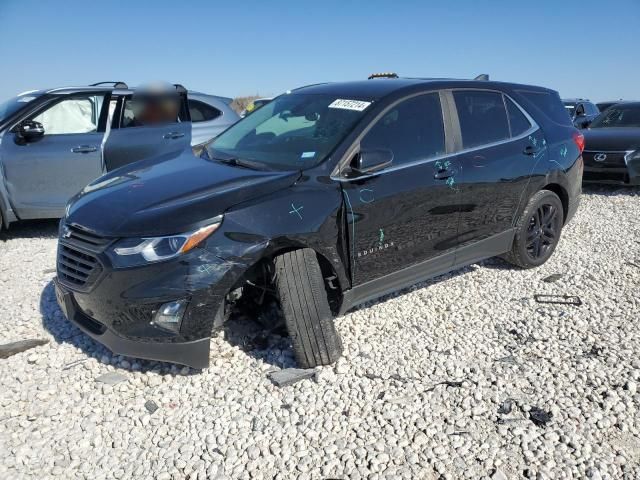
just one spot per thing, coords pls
(306, 310)
(537, 231)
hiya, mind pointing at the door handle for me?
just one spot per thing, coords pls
(173, 135)
(84, 149)
(531, 150)
(443, 174)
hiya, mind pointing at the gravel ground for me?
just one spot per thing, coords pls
(453, 378)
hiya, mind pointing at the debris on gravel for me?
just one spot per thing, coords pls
(374, 415)
(554, 277)
(289, 376)
(111, 378)
(9, 349)
(151, 406)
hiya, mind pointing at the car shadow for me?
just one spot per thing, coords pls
(31, 229)
(269, 345)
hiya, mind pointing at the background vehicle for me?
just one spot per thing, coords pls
(612, 146)
(328, 196)
(54, 142)
(602, 106)
(581, 111)
(210, 115)
(256, 104)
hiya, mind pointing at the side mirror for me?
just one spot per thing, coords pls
(30, 131)
(370, 161)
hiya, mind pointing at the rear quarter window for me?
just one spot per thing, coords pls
(550, 104)
(201, 112)
(482, 116)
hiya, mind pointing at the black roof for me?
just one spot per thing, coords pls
(381, 87)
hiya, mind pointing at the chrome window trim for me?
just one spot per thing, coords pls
(335, 175)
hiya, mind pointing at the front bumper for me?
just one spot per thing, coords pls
(116, 307)
(613, 170)
(193, 354)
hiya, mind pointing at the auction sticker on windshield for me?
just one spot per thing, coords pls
(357, 105)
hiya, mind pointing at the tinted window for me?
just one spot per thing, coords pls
(150, 110)
(483, 118)
(550, 104)
(78, 114)
(12, 105)
(593, 110)
(517, 121)
(412, 130)
(201, 112)
(618, 116)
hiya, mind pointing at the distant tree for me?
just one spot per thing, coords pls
(240, 103)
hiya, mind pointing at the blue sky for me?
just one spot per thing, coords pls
(580, 48)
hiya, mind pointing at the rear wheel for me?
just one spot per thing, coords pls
(537, 231)
(306, 310)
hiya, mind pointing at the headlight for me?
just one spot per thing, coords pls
(130, 252)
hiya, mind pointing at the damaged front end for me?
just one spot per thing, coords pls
(164, 309)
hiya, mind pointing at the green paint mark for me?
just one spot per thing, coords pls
(381, 240)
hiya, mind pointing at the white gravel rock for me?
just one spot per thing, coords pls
(415, 396)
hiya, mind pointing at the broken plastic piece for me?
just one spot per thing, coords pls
(558, 299)
(289, 376)
(151, 406)
(9, 349)
(506, 407)
(539, 417)
(553, 278)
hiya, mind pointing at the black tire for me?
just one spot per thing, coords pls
(306, 310)
(537, 231)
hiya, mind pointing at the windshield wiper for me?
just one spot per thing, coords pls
(241, 162)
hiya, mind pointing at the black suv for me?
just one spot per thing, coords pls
(328, 196)
(581, 111)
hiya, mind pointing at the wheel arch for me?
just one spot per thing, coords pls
(333, 284)
(562, 193)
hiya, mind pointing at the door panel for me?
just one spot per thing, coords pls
(44, 174)
(408, 213)
(138, 134)
(501, 147)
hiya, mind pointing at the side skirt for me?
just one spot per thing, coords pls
(489, 247)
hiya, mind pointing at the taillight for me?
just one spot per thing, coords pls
(579, 139)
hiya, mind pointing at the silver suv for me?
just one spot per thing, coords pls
(54, 142)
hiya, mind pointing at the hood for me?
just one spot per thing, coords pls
(168, 194)
(611, 139)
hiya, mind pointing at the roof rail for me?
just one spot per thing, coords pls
(483, 76)
(180, 88)
(383, 75)
(115, 84)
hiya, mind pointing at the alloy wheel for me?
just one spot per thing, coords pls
(543, 231)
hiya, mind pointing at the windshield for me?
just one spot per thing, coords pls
(293, 131)
(618, 116)
(14, 104)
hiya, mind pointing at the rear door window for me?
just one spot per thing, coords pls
(201, 112)
(517, 120)
(412, 130)
(151, 111)
(482, 116)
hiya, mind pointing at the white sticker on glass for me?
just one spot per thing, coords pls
(357, 105)
(308, 154)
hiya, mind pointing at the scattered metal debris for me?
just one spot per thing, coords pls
(151, 406)
(558, 299)
(539, 417)
(595, 351)
(74, 363)
(9, 349)
(111, 378)
(554, 277)
(289, 376)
